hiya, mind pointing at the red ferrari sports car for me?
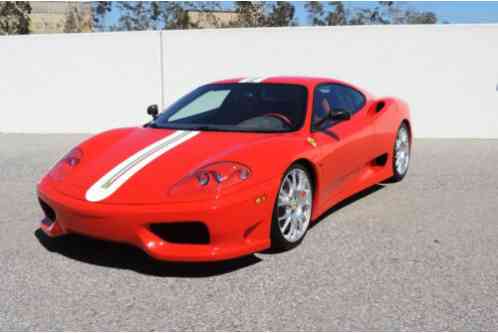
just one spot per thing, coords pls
(234, 167)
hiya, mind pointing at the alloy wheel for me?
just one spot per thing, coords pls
(294, 205)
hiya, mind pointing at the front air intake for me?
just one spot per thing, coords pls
(49, 212)
(181, 232)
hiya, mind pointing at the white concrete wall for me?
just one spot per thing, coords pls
(447, 73)
(89, 82)
(78, 82)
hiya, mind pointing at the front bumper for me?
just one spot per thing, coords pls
(238, 225)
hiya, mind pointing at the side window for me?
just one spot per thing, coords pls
(209, 101)
(356, 98)
(322, 102)
(331, 97)
(341, 100)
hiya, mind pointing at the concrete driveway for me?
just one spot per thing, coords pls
(419, 255)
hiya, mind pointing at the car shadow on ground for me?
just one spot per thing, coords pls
(337, 207)
(347, 202)
(123, 256)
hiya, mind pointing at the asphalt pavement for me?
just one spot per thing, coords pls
(417, 255)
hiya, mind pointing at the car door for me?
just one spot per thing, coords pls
(343, 146)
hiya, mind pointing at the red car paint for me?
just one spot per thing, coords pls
(238, 218)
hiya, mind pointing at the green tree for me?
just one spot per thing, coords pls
(385, 12)
(338, 16)
(14, 17)
(100, 9)
(327, 13)
(378, 15)
(390, 12)
(134, 16)
(316, 13)
(281, 14)
(415, 17)
(155, 15)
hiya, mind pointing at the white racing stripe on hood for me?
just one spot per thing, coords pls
(115, 178)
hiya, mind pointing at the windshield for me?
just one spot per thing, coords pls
(238, 107)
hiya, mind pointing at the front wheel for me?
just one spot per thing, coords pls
(401, 153)
(292, 211)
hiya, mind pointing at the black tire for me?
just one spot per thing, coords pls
(397, 175)
(278, 241)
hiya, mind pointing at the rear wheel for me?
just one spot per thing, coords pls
(401, 153)
(292, 211)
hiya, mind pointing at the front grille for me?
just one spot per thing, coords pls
(49, 212)
(182, 232)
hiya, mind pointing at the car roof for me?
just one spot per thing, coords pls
(309, 81)
(279, 79)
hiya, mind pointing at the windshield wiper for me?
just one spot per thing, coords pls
(151, 125)
(185, 127)
(204, 128)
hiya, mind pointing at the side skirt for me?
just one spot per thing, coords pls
(374, 172)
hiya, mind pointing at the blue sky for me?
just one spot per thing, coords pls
(450, 11)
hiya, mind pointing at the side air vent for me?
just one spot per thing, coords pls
(380, 105)
(381, 160)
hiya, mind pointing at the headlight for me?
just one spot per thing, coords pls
(212, 178)
(73, 158)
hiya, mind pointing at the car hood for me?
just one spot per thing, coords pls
(160, 158)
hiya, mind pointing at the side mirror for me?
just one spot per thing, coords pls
(337, 116)
(340, 115)
(153, 110)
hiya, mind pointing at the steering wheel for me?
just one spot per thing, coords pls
(279, 116)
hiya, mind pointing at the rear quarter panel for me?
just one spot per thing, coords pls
(390, 118)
